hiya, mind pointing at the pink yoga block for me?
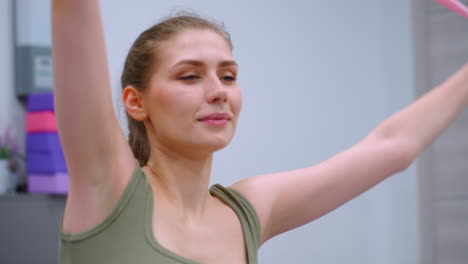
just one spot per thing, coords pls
(57, 183)
(43, 121)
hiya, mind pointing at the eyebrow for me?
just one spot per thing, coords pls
(223, 63)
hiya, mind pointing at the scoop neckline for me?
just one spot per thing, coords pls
(160, 248)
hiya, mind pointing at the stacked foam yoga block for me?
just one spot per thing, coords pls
(47, 171)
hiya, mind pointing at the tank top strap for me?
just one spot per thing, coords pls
(247, 215)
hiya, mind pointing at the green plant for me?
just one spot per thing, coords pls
(8, 144)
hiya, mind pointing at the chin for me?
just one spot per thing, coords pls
(217, 146)
(209, 142)
(214, 145)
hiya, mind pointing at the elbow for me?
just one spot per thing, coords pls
(407, 150)
(405, 161)
(398, 153)
(403, 153)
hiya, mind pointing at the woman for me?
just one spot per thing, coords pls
(150, 202)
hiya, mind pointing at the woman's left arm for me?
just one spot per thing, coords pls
(287, 200)
(419, 124)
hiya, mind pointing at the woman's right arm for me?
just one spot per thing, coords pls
(98, 158)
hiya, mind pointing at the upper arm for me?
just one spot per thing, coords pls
(99, 160)
(290, 199)
(92, 140)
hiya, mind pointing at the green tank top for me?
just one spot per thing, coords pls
(126, 235)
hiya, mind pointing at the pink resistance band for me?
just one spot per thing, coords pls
(455, 6)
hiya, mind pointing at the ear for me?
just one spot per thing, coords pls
(133, 102)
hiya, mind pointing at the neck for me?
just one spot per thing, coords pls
(181, 182)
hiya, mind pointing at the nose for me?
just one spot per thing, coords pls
(217, 92)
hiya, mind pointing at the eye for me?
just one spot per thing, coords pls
(228, 78)
(189, 77)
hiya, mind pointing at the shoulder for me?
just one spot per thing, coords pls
(244, 210)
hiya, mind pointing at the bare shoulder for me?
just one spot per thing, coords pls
(250, 189)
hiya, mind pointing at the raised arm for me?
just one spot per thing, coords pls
(287, 200)
(98, 157)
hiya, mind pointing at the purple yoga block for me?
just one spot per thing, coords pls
(46, 162)
(57, 183)
(36, 142)
(41, 101)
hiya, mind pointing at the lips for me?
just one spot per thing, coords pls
(216, 116)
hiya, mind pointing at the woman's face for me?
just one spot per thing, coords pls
(195, 77)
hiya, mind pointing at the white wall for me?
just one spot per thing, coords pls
(403, 210)
(11, 112)
(316, 77)
(5, 62)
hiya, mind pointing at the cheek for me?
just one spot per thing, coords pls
(237, 101)
(164, 98)
(175, 103)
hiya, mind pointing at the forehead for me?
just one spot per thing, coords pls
(194, 44)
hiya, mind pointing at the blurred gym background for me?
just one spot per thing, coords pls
(316, 77)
